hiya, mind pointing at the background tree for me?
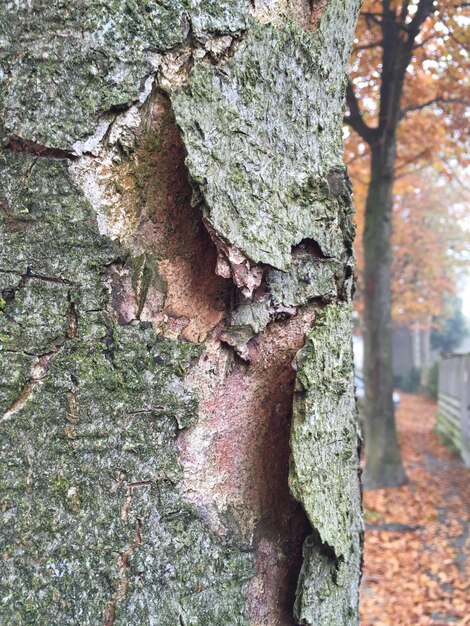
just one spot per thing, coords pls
(430, 243)
(407, 81)
(176, 229)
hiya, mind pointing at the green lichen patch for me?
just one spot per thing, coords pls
(308, 279)
(88, 452)
(105, 418)
(324, 471)
(194, 580)
(262, 132)
(49, 230)
(69, 62)
(35, 317)
(325, 428)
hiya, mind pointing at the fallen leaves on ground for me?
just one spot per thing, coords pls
(417, 541)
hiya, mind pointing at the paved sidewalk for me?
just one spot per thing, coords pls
(417, 547)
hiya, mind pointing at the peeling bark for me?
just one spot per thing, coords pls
(178, 440)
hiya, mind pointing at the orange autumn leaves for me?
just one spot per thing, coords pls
(430, 243)
(429, 246)
(430, 201)
(419, 575)
(438, 72)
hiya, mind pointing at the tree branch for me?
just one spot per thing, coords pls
(425, 41)
(424, 10)
(456, 176)
(423, 105)
(404, 10)
(413, 159)
(372, 17)
(368, 46)
(355, 158)
(355, 119)
(457, 40)
(406, 173)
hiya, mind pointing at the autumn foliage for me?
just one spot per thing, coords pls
(430, 242)
(430, 199)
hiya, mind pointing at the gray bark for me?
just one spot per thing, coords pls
(178, 427)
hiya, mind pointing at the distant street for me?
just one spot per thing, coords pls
(417, 546)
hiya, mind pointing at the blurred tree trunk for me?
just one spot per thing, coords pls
(398, 31)
(383, 457)
(178, 430)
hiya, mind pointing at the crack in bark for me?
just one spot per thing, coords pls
(123, 566)
(41, 367)
(238, 452)
(38, 373)
(72, 317)
(124, 555)
(26, 276)
(316, 10)
(73, 413)
(19, 144)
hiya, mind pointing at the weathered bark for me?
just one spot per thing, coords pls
(178, 433)
(383, 462)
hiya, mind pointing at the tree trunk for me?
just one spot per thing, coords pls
(178, 430)
(383, 462)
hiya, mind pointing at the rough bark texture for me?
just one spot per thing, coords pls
(178, 435)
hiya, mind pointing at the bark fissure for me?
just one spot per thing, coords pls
(29, 274)
(246, 460)
(40, 368)
(123, 566)
(18, 144)
(38, 373)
